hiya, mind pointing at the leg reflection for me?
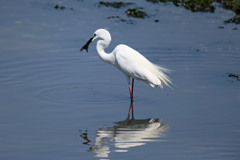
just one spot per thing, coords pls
(130, 110)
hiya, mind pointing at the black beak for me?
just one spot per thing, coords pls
(86, 45)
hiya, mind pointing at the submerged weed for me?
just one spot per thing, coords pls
(134, 12)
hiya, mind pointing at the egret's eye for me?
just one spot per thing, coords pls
(94, 35)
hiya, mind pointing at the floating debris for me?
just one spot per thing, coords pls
(114, 4)
(234, 76)
(136, 13)
(156, 20)
(59, 7)
(220, 27)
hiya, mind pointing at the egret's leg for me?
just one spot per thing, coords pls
(129, 86)
(130, 108)
(132, 85)
(130, 90)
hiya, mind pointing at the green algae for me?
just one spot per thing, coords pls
(136, 13)
(193, 5)
(233, 5)
(235, 19)
(199, 5)
(207, 6)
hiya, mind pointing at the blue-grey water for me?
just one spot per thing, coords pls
(58, 103)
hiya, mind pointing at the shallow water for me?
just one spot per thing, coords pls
(58, 103)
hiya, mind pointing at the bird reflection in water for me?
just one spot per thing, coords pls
(125, 134)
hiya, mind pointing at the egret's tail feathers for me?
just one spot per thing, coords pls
(162, 78)
(152, 85)
(166, 70)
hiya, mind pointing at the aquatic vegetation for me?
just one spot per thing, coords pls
(207, 6)
(203, 5)
(134, 12)
(233, 5)
(200, 5)
(114, 4)
(235, 19)
(193, 5)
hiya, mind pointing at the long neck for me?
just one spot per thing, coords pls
(101, 45)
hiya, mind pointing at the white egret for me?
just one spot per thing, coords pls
(129, 61)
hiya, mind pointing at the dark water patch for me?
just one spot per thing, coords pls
(118, 18)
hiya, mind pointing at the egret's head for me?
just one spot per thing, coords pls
(100, 33)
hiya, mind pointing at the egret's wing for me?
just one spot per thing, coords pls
(133, 64)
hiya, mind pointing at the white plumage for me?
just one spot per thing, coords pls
(129, 61)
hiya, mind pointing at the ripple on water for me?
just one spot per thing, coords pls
(82, 94)
(27, 70)
(60, 78)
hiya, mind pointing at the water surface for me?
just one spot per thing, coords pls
(58, 103)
